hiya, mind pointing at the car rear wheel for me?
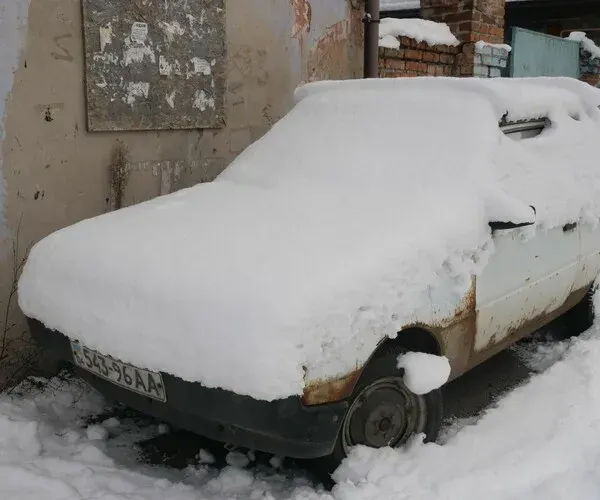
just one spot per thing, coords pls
(382, 412)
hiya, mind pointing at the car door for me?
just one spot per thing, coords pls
(525, 280)
(530, 275)
(589, 267)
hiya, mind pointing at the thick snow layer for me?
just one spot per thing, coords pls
(325, 236)
(481, 44)
(420, 30)
(587, 44)
(387, 5)
(424, 372)
(539, 442)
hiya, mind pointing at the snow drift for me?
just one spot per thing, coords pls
(323, 237)
(540, 442)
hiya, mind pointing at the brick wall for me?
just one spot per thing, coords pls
(417, 59)
(490, 61)
(469, 20)
(420, 59)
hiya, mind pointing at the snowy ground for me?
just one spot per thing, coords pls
(541, 440)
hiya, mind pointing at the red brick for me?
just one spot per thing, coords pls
(446, 59)
(395, 64)
(431, 57)
(466, 70)
(415, 55)
(408, 42)
(463, 16)
(469, 26)
(456, 17)
(416, 66)
(450, 49)
(497, 31)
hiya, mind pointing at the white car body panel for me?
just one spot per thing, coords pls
(525, 278)
(590, 255)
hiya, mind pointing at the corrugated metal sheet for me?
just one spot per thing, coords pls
(538, 54)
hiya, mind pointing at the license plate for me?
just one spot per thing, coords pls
(135, 379)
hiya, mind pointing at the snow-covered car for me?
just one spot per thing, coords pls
(309, 298)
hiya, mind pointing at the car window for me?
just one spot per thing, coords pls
(520, 131)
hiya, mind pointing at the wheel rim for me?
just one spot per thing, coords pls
(385, 413)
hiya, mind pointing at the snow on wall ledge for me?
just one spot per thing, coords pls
(586, 43)
(420, 30)
(13, 23)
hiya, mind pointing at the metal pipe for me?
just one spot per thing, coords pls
(371, 21)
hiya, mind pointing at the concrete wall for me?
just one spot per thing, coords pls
(13, 23)
(56, 173)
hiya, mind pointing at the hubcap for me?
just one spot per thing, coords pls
(384, 413)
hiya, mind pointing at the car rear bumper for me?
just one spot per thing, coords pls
(284, 427)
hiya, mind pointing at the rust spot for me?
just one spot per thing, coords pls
(302, 17)
(527, 326)
(329, 57)
(319, 392)
(468, 303)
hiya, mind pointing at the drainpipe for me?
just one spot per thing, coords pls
(371, 21)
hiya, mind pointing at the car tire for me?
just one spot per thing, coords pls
(380, 390)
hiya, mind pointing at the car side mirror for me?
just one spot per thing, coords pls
(505, 225)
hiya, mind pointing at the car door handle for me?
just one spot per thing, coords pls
(569, 227)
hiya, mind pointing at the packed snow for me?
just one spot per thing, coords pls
(325, 236)
(387, 5)
(423, 372)
(481, 44)
(587, 44)
(540, 442)
(420, 30)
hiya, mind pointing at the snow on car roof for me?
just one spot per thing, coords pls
(325, 236)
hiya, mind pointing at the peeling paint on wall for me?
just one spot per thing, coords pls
(328, 58)
(302, 17)
(13, 28)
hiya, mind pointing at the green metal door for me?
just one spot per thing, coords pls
(538, 54)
